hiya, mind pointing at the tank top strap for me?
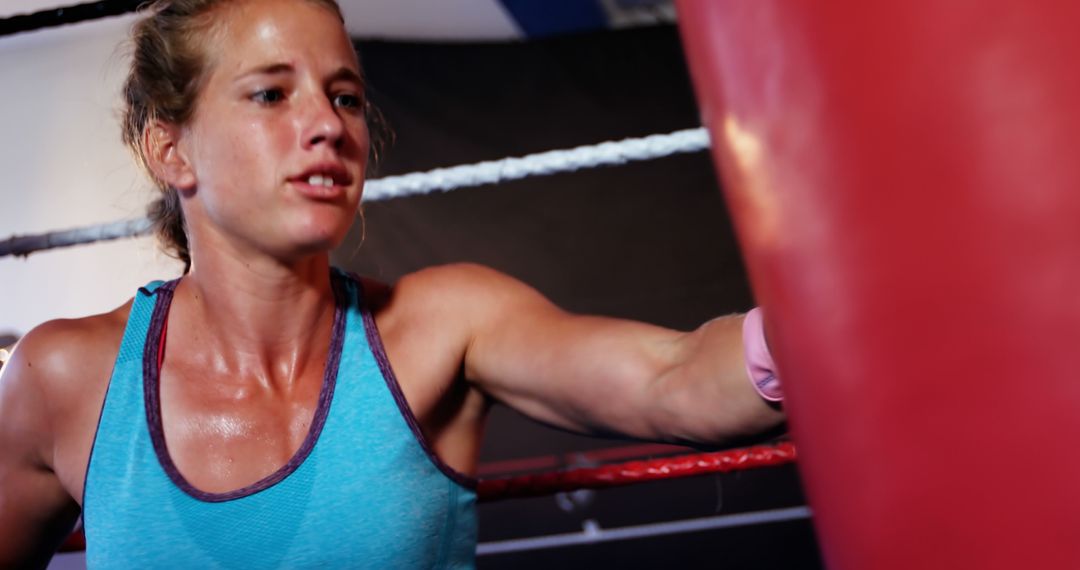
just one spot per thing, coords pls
(138, 323)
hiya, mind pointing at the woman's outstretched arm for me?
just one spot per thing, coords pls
(601, 375)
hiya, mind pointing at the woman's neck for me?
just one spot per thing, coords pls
(265, 320)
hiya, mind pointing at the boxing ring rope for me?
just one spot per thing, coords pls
(25, 245)
(592, 533)
(617, 475)
(620, 474)
(65, 15)
(608, 153)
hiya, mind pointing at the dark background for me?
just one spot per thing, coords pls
(649, 241)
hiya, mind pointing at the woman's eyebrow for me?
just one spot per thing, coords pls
(268, 69)
(343, 73)
(346, 74)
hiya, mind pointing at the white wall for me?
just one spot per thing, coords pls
(64, 166)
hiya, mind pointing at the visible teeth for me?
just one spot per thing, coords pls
(320, 180)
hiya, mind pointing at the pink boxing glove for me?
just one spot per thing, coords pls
(759, 363)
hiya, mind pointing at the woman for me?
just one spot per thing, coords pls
(267, 411)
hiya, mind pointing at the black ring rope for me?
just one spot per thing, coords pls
(65, 15)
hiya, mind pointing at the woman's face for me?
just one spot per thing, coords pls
(278, 145)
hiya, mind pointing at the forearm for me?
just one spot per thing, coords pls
(606, 376)
(707, 398)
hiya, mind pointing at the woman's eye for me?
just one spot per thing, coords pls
(348, 101)
(268, 96)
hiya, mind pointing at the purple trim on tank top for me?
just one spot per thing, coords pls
(151, 383)
(379, 352)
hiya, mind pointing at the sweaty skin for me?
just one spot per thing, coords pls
(250, 324)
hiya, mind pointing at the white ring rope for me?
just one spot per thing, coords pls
(440, 179)
(25, 245)
(591, 532)
(539, 164)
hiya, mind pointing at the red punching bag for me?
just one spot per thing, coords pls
(904, 180)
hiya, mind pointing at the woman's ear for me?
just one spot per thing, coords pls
(166, 158)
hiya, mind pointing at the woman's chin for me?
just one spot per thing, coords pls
(319, 242)
(324, 233)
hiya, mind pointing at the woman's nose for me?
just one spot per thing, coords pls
(324, 124)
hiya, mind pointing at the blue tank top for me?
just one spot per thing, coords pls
(364, 489)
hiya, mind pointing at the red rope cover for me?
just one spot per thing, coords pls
(635, 472)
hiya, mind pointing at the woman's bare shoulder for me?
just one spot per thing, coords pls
(53, 385)
(66, 359)
(457, 281)
(443, 286)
